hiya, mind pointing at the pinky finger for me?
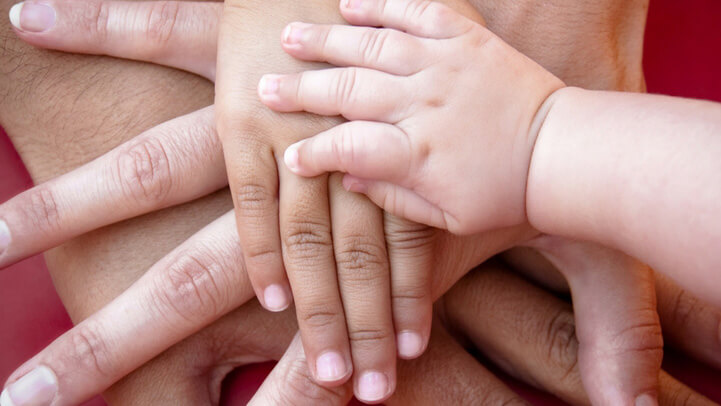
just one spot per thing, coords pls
(398, 201)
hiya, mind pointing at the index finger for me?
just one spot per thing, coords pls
(182, 293)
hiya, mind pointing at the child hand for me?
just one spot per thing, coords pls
(444, 115)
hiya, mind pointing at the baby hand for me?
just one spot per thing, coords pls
(443, 113)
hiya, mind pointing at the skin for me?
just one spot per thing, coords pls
(214, 279)
(73, 259)
(428, 66)
(165, 151)
(575, 151)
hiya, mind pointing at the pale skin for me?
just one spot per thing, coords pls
(185, 42)
(573, 163)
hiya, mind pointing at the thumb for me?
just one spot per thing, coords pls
(291, 383)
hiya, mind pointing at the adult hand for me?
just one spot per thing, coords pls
(426, 237)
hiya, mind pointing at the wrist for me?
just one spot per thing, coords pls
(546, 195)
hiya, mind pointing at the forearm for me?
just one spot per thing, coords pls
(646, 165)
(558, 35)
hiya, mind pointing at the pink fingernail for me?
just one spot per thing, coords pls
(4, 237)
(410, 344)
(269, 85)
(276, 298)
(372, 386)
(37, 388)
(330, 367)
(32, 17)
(292, 158)
(352, 184)
(293, 33)
(353, 4)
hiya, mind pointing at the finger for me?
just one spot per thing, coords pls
(310, 263)
(615, 309)
(364, 280)
(361, 148)
(425, 18)
(689, 324)
(410, 250)
(175, 162)
(194, 285)
(530, 334)
(253, 179)
(354, 93)
(400, 202)
(389, 51)
(173, 33)
(291, 383)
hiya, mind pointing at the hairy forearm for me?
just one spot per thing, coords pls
(646, 165)
(590, 44)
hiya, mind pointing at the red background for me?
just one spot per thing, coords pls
(682, 58)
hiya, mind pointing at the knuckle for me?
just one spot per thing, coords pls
(420, 10)
(344, 88)
(306, 240)
(96, 20)
(258, 254)
(343, 148)
(358, 253)
(402, 235)
(41, 208)
(411, 293)
(644, 336)
(372, 45)
(562, 343)
(318, 317)
(161, 21)
(253, 199)
(88, 350)
(195, 287)
(144, 172)
(370, 338)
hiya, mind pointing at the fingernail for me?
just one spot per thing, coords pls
(269, 84)
(276, 298)
(352, 4)
(410, 344)
(330, 367)
(372, 386)
(32, 17)
(291, 157)
(351, 184)
(293, 33)
(4, 237)
(37, 388)
(646, 400)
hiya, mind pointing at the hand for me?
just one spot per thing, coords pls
(405, 244)
(358, 245)
(407, 90)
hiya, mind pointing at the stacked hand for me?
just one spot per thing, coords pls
(201, 264)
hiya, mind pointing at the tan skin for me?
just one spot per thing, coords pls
(37, 173)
